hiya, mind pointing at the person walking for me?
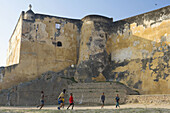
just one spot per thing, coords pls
(102, 99)
(41, 100)
(71, 101)
(61, 99)
(117, 101)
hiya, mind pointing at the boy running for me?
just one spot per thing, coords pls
(71, 101)
(61, 99)
(41, 100)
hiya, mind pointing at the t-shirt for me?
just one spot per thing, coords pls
(71, 99)
(103, 97)
(61, 95)
(117, 99)
(42, 96)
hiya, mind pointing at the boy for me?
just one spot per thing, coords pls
(117, 101)
(61, 99)
(71, 101)
(41, 100)
(102, 99)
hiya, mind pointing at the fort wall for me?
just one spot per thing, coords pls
(46, 47)
(143, 46)
(13, 53)
(134, 51)
(48, 43)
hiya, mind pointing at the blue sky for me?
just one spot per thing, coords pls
(10, 11)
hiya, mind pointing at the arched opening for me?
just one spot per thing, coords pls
(59, 44)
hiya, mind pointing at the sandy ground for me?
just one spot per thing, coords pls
(89, 107)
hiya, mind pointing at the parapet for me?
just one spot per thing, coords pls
(97, 18)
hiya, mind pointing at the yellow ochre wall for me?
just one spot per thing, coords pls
(146, 48)
(13, 53)
(134, 51)
(39, 52)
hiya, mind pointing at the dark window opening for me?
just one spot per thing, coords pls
(106, 36)
(101, 35)
(59, 44)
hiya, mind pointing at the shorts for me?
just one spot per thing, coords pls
(60, 101)
(42, 101)
(71, 103)
(103, 101)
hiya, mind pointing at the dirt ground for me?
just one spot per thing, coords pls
(90, 107)
(127, 108)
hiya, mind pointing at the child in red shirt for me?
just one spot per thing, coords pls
(71, 101)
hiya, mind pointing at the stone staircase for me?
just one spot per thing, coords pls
(89, 93)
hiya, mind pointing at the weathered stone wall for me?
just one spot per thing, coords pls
(13, 53)
(134, 51)
(2, 73)
(93, 57)
(9, 77)
(90, 93)
(52, 83)
(29, 93)
(39, 50)
(39, 44)
(141, 44)
(148, 99)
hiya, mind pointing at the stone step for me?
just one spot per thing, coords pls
(97, 95)
(90, 93)
(95, 85)
(102, 83)
(98, 87)
(97, 100)
(93, 100)
(96, 90)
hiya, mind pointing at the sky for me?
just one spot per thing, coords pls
(10, 11)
